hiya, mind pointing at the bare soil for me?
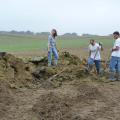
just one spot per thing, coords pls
(29, 90)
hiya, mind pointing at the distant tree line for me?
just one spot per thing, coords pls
(13, 32)
(32, 33)
(89, 35)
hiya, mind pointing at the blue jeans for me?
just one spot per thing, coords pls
(53, 51)
(97, 64)
(115, 64)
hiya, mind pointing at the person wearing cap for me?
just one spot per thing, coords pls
(115, 58)
(52, 49)
(94, 55)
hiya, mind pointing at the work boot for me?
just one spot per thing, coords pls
(55, 62)
(90, 67)
(49, 64)
(112, 76)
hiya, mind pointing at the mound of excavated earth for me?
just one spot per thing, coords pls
(14, 71)
(29, 90)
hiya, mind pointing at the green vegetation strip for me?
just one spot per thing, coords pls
(9, 43)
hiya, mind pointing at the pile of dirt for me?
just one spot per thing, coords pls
(68, 59)
(69, 68)
(65, 58)
(75, 94)
(43, 73)
(6, 98)
(15, 71)
(25, 74)
(39, 61)
(68, 104)
(18, 73)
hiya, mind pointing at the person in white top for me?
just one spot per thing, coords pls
(94, 55)
(115, 58)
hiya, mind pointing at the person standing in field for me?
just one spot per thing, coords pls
(115, 58)
(94, 55)
(52, 48)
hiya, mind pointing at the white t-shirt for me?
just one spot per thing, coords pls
(95, 53)
(116, 53)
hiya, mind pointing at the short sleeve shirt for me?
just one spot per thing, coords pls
(95, 53)
(116, 44)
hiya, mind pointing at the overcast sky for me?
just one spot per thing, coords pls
(81, 16)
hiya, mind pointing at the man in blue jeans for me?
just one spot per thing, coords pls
(94, 55)
(52, 50)
(115, 58)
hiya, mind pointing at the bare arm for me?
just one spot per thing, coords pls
(89, 53)
(115, 49)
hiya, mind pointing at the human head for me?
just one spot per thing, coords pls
(116, 35)
(54, 32)
(92, 42)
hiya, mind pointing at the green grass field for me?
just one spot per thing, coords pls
(12, 43)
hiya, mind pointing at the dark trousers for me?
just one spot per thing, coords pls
(97, 64)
